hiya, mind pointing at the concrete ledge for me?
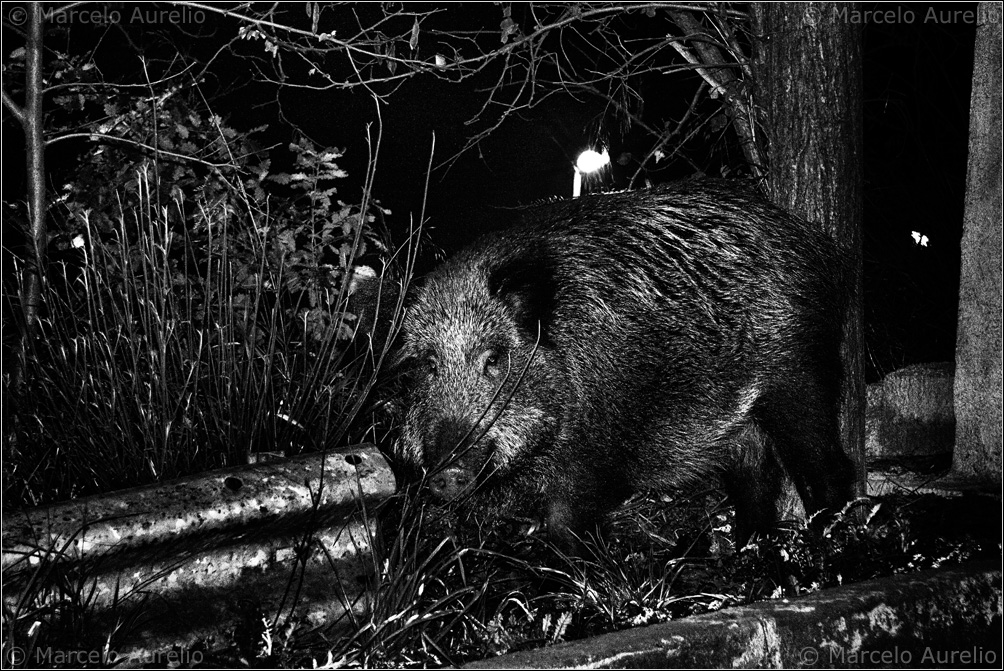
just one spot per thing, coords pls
(910, 412)
(950, 617)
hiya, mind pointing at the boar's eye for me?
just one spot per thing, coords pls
(431, 366)
(490, 362)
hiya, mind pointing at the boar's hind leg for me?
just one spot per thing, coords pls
(801, 420)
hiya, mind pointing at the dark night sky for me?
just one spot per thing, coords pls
(918, 79)
(917, 85)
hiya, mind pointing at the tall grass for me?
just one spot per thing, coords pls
(160, 356)
(446, 594)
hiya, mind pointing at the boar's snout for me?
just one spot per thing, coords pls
(450, 484)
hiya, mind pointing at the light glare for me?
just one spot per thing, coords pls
(591, 161)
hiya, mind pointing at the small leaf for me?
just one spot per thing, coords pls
(413, 42)
(314, 12)
(391, 64)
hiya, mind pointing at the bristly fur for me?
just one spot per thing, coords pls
(631, 341)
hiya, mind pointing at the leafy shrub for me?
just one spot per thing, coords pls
(192, 318)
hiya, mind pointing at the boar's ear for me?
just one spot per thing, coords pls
(525, 283)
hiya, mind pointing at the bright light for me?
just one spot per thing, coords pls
(588, 161)
(591, 161)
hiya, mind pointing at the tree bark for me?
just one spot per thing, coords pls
(978, 412)
(809, 78)
(31, 300)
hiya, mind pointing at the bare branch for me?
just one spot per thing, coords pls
(16, 110)
(716, 71)
(104, 137)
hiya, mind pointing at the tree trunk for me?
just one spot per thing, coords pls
(31, 301)
(809, 78)
(978, 345)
